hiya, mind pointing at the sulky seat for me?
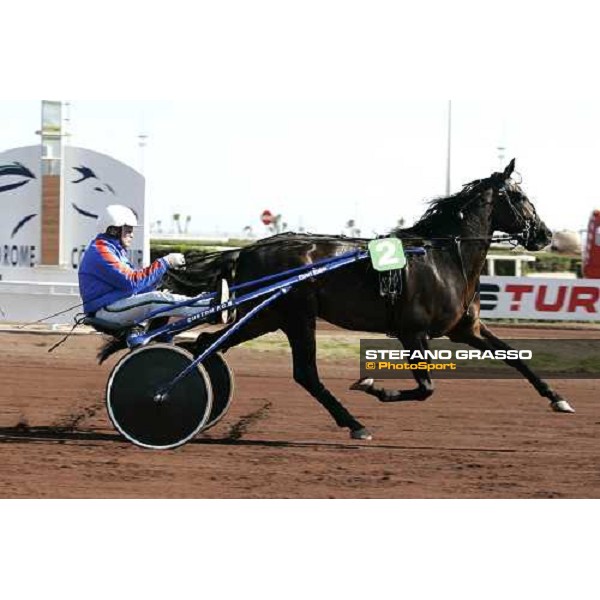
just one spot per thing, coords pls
(107, 327)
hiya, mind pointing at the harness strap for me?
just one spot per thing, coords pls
(464, 274)
(458, 242)
(391, 286)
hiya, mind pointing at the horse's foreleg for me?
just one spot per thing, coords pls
(301, 336)
(490, 342)
(425, 386)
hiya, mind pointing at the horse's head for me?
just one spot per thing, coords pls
(513, 212)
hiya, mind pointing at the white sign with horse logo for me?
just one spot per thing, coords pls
(90, 182)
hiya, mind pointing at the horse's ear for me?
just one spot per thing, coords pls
(509, 170)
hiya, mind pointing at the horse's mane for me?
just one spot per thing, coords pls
(443, 212)
(439, 218)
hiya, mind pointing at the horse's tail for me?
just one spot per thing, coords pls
(110, 347)
(202, 272)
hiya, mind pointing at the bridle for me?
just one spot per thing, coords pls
(526, 224)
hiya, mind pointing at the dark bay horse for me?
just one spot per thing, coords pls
(439, 295)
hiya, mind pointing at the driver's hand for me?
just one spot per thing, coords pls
(175, 260)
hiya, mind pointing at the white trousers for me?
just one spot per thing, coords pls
(134, 309)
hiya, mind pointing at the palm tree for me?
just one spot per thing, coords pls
(276, 225)
(176, 222)
(351, 229)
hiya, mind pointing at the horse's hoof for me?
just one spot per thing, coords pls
(363, 385)
(562, 406)
(361, 434)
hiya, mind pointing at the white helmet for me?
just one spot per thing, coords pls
(116, 215)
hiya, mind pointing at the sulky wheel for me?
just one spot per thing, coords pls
(221, 380)
(138, 410)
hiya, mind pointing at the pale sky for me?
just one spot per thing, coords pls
(322, 163)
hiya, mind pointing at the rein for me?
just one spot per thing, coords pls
(458, 238)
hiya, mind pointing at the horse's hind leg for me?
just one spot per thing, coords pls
(266, 322)
(425, 386)
(301, 335)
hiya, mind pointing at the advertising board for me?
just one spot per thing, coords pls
(543, 299)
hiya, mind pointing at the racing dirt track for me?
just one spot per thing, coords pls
(472, 439)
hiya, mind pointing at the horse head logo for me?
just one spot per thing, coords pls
(85, 174)
(15, 175)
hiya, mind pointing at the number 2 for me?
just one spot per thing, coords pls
(387, 253)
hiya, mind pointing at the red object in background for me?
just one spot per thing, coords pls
(591, 253)
(266, 217)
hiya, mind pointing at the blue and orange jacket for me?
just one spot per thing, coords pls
(106, 274)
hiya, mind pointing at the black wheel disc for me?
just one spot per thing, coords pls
(150, 421)
(221, 381)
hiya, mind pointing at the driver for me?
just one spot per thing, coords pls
(114, 291)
